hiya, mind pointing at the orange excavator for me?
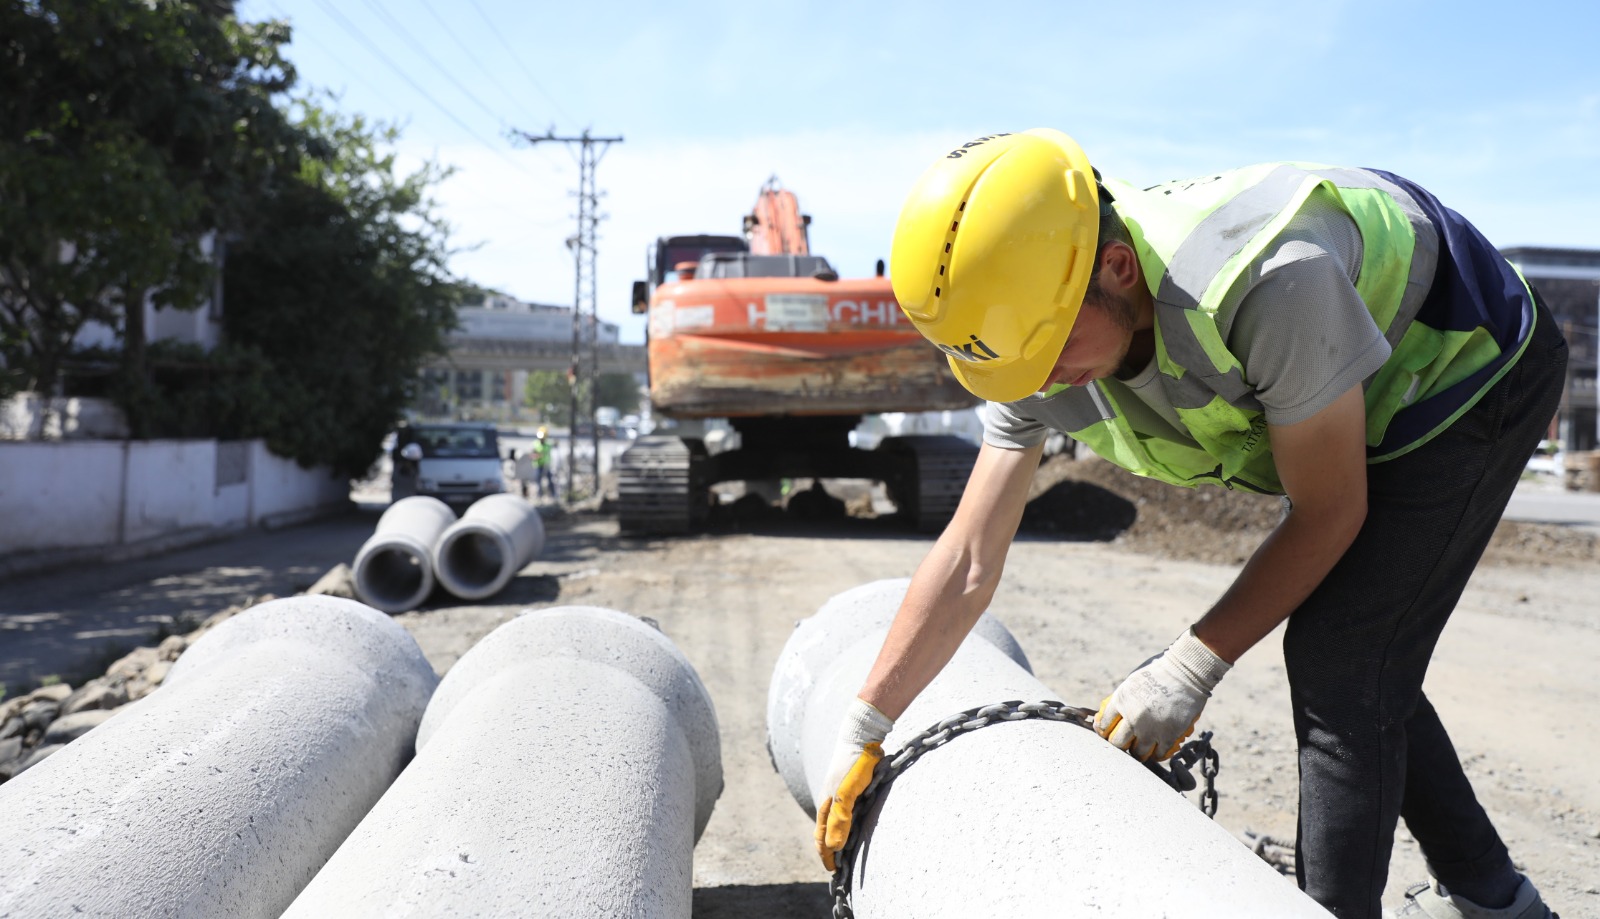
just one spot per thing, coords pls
(760, 331)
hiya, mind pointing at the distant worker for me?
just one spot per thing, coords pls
(1333, 335)
(544, 483)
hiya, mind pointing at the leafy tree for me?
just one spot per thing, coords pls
(341, 289)
(132, 132)
(551, 393)
(619, 390)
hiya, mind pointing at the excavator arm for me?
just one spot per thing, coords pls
(776, 226)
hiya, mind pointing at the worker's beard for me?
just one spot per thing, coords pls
(1124, 315)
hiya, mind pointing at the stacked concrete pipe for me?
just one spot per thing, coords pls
(479, 554)
(393, 571)
(1026, 818)
(223, 792)
(565, 768)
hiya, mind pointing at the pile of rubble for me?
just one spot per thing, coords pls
(35, 725)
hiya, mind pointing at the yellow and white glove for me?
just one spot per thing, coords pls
(1155, 708)
(855, 755)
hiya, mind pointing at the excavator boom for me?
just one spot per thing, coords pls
(775, 226)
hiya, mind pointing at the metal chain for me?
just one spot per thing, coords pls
(1180, 776)
(1279, 853)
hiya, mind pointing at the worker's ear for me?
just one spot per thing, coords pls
(1119, 268)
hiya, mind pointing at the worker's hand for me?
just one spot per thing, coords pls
(855, 755)
(1155, 708)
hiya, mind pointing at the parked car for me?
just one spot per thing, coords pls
(456, 463)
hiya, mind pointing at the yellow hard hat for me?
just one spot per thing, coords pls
(992, 255)
(542, 432)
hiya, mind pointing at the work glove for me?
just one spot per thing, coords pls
(855, 754)
(1155, 708)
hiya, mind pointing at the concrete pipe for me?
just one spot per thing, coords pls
(394, 569)
(480, 553)
(565, 768)
(1026, 818)
(223, 792)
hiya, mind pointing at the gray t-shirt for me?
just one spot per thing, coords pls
(1293, 318)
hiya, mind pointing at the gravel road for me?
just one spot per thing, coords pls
(1513, 677)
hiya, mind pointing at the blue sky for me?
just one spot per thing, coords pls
(1494, 107)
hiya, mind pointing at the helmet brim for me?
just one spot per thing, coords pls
(1018, 379)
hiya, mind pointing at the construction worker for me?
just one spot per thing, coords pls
(544, 483)
(1333, 335)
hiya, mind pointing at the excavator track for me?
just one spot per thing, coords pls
(656, 490)
(936, 473)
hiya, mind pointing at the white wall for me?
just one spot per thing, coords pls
(170, 487)
(60, 494)
(232, 506)
(81, 494)
(281, 488)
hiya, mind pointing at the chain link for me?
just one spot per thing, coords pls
(1279, 853)
(1180, 777)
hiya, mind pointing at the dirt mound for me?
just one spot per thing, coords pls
(1090, 499)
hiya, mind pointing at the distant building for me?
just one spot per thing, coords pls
(1569, 282)
(450, 390)
(500, 316)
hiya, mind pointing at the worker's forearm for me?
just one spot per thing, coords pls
(1284, 570)
(947, 595)
(955, 582)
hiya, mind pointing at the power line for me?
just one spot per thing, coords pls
(517, 59)
(421, 50)
(372, 46)
(311, 36)
(476, 59)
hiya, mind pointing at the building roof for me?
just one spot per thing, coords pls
(1548, 261)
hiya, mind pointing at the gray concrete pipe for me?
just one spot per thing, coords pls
(1021, 819)
(393, 570)
(223, 792)
(565, 768)
(480, 553)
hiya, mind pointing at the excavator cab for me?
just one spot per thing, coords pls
(673, 251)
(670, 251)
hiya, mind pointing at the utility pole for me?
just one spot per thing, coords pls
(585, 319)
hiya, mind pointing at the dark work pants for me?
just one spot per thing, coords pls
(1372, 749)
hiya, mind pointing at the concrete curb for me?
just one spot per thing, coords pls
(27, 564)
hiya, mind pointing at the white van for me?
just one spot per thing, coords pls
(456, 463)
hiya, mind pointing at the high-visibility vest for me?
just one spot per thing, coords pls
(541, 453)
(1456, 313)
